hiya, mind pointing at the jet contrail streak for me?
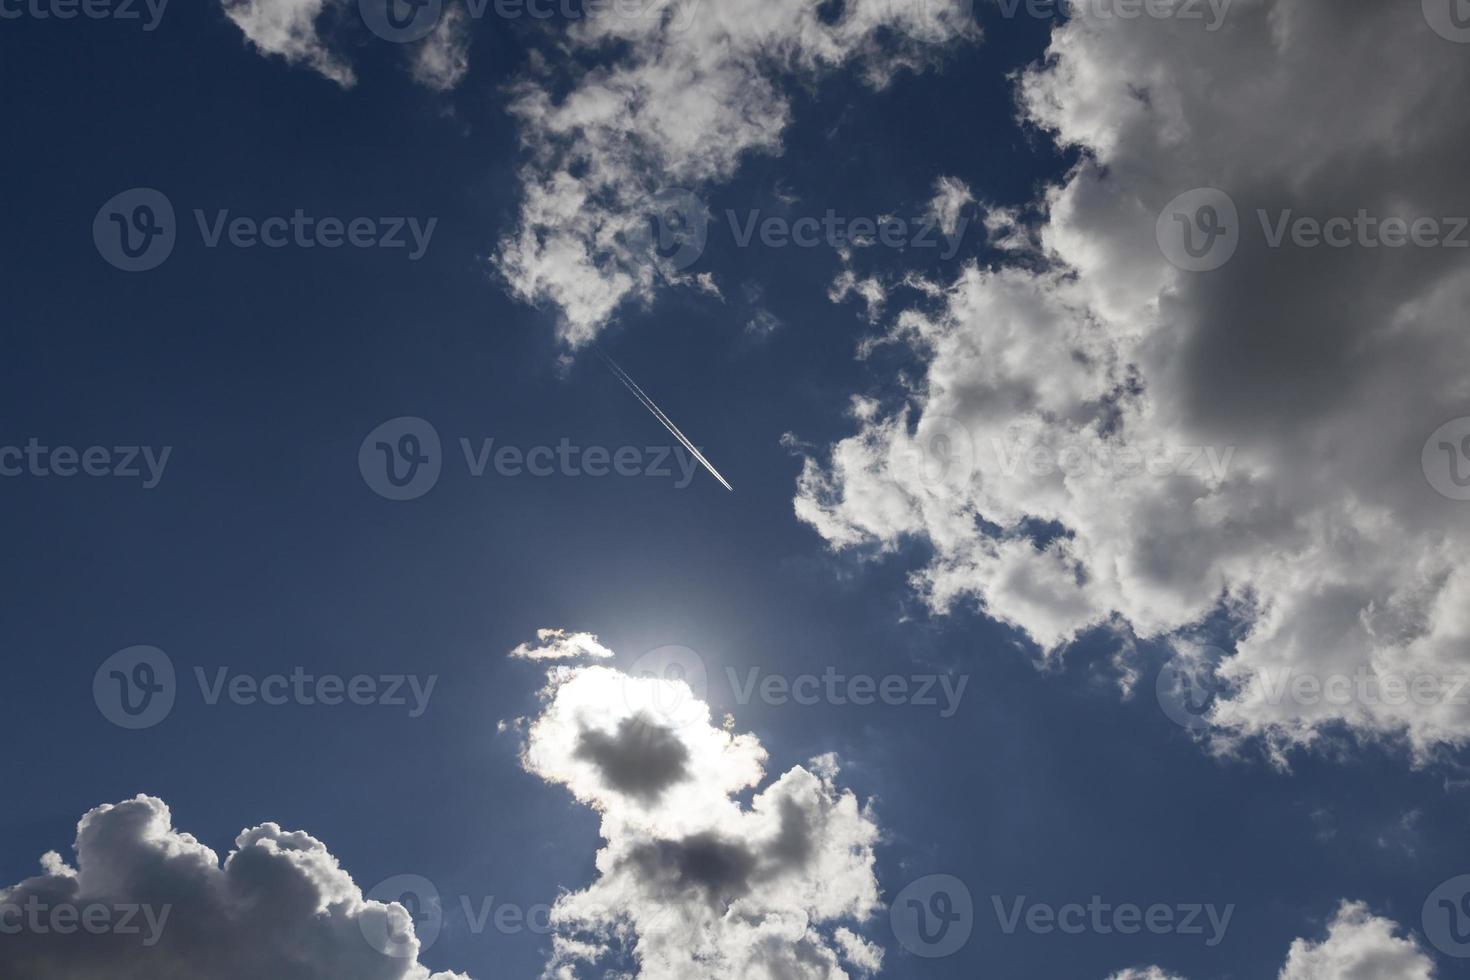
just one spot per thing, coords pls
(658, 414)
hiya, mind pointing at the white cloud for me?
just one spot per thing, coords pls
(1359, 946)
(304, 32)
(698, 86)
(558, 644)
(288, 29)
(950, 197)
(442, 59)
(692, 883)
(1279, 403)
(280, 906)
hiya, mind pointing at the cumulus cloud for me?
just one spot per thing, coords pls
(1358, 945)
(690, 90)
(1098, 439)
(288, 29)
(558, 644)
(691, 882)
(442, 59)
(279, 906)
(304, 32)
(951, 195)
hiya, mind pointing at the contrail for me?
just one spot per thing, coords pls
(658, 414)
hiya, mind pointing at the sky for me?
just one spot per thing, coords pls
(1089, 602)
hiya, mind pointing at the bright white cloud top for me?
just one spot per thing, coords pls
(279, 906)
(701, 85)
(1098, 439)
(691, 883)
(1358, 944)
(558, 644)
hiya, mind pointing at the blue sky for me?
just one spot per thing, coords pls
(262, 548)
